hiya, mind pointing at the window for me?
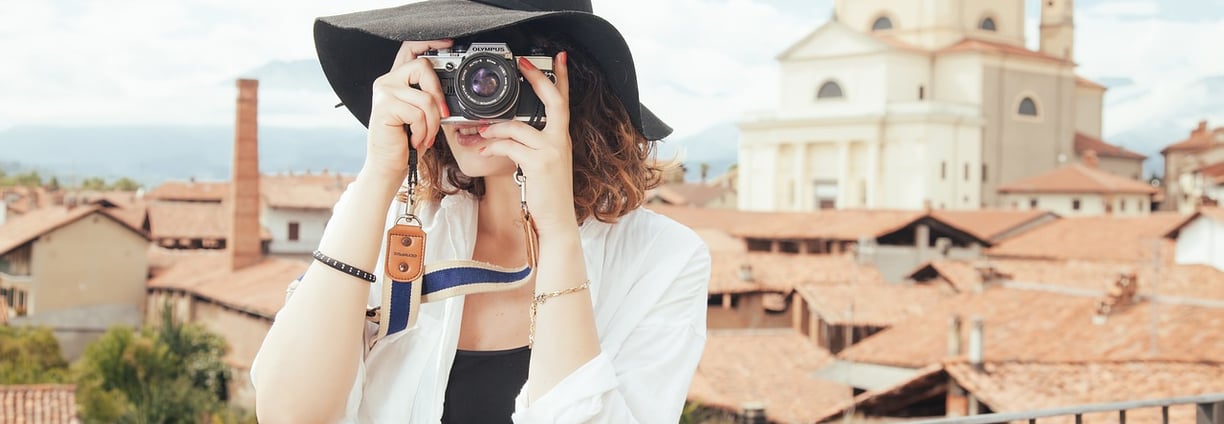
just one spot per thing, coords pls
(966, 171)
(983, 172)
(1028, 107)
(294, 231)
(829, 90)
(882, 23)
(921, 92)
(943, 170)
(1033, 203)
(1122, 205)
(1075, 204)
(988, 24)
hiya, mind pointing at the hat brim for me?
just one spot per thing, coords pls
(355, 49)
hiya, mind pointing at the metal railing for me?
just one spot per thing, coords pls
(1209, 409)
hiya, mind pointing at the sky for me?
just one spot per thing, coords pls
(700, 62)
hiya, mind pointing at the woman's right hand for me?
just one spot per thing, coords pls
(409, 94)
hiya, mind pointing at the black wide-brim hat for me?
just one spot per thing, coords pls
(356, 48)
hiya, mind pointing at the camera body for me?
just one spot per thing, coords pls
(482, 84)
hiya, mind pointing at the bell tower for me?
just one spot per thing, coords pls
(1058, 28)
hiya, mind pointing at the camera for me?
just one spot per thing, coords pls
(482, 84)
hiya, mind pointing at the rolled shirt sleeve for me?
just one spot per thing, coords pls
(647, 379)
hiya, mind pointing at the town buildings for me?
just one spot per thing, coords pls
(932, 102)
(1194, 170)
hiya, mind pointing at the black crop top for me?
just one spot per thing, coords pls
(483, 385)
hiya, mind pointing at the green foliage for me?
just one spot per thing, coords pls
(53, 184)
(125, 184)
(28, 179)
(93, 183)
(30, 356)
(169, 374)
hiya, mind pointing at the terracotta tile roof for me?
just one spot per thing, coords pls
(38, 404)
(719, 241)
(841, 224)
(191, 220)
(258, 289)
(22, 199)
(782, 272)
(688, 194)
(1214, 172)
(1095, 238)
(1085, 142)
(1085, 82)
(1077, 178)
(878, 305)
(991, 224)
(293, 191)
(1166, 281)
(960, 275)
(303, 191)
(1066, 331)
(769, 366)
(1023, 386)
(896, 43)
(1200, 138)
(191, 191)
(991, 47)
(22, 229)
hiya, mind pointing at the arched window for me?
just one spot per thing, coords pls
(829, 90)
(882, 23)
(1028, 107)
(988, 24)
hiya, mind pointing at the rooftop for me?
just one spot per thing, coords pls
(1105, 238)
(834, 224)
(38, 404)
(257, 289)
(1200, 138)
(876, 305)
(991, 47)
(1085, 142)
(769, 366)
(1012, 334)
(992, 224)
(192, 220)
(1078, 178)
(783, 272)
(688, 194)
(25, 228)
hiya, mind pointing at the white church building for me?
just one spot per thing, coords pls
(907, 104)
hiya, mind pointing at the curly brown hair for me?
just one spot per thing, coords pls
(611, 159)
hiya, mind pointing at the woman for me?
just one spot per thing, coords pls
(611, 324)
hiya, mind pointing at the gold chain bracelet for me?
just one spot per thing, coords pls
(539, 299)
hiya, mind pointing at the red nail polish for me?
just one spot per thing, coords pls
(482, 129)
(564, 57)
(482, 149)
(526, 63)
(445, 111)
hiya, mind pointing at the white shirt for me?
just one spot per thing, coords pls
(649, 278)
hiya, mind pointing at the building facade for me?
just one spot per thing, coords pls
(931, 102)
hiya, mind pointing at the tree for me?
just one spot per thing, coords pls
(125, 184)
(30, 355)
(53, 184)
(29, 179)
(93, 183)
(169, 374)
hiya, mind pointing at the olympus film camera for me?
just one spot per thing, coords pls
(482, 84)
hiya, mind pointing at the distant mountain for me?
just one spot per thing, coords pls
(154, 154)
(717, 146)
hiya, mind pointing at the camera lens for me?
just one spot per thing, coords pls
(485, 82)
(486, 86)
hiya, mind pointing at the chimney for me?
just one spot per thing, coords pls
(753, 413)
(1201, 129)
(243, 244)
(1091, 159)
(976, 338)
(954, 336)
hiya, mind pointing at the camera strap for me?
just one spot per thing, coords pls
(408, 281)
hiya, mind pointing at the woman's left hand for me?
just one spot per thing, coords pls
(544, 155)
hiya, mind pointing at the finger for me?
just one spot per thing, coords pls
(409, 50)
(561, 70)
(518, 153)
(397, 114)
(555, 106)
(419, 74)
(426, 103)
(518, 131)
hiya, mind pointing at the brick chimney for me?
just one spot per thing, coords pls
(1201, 129)
(1090, 159)
(243, 243)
